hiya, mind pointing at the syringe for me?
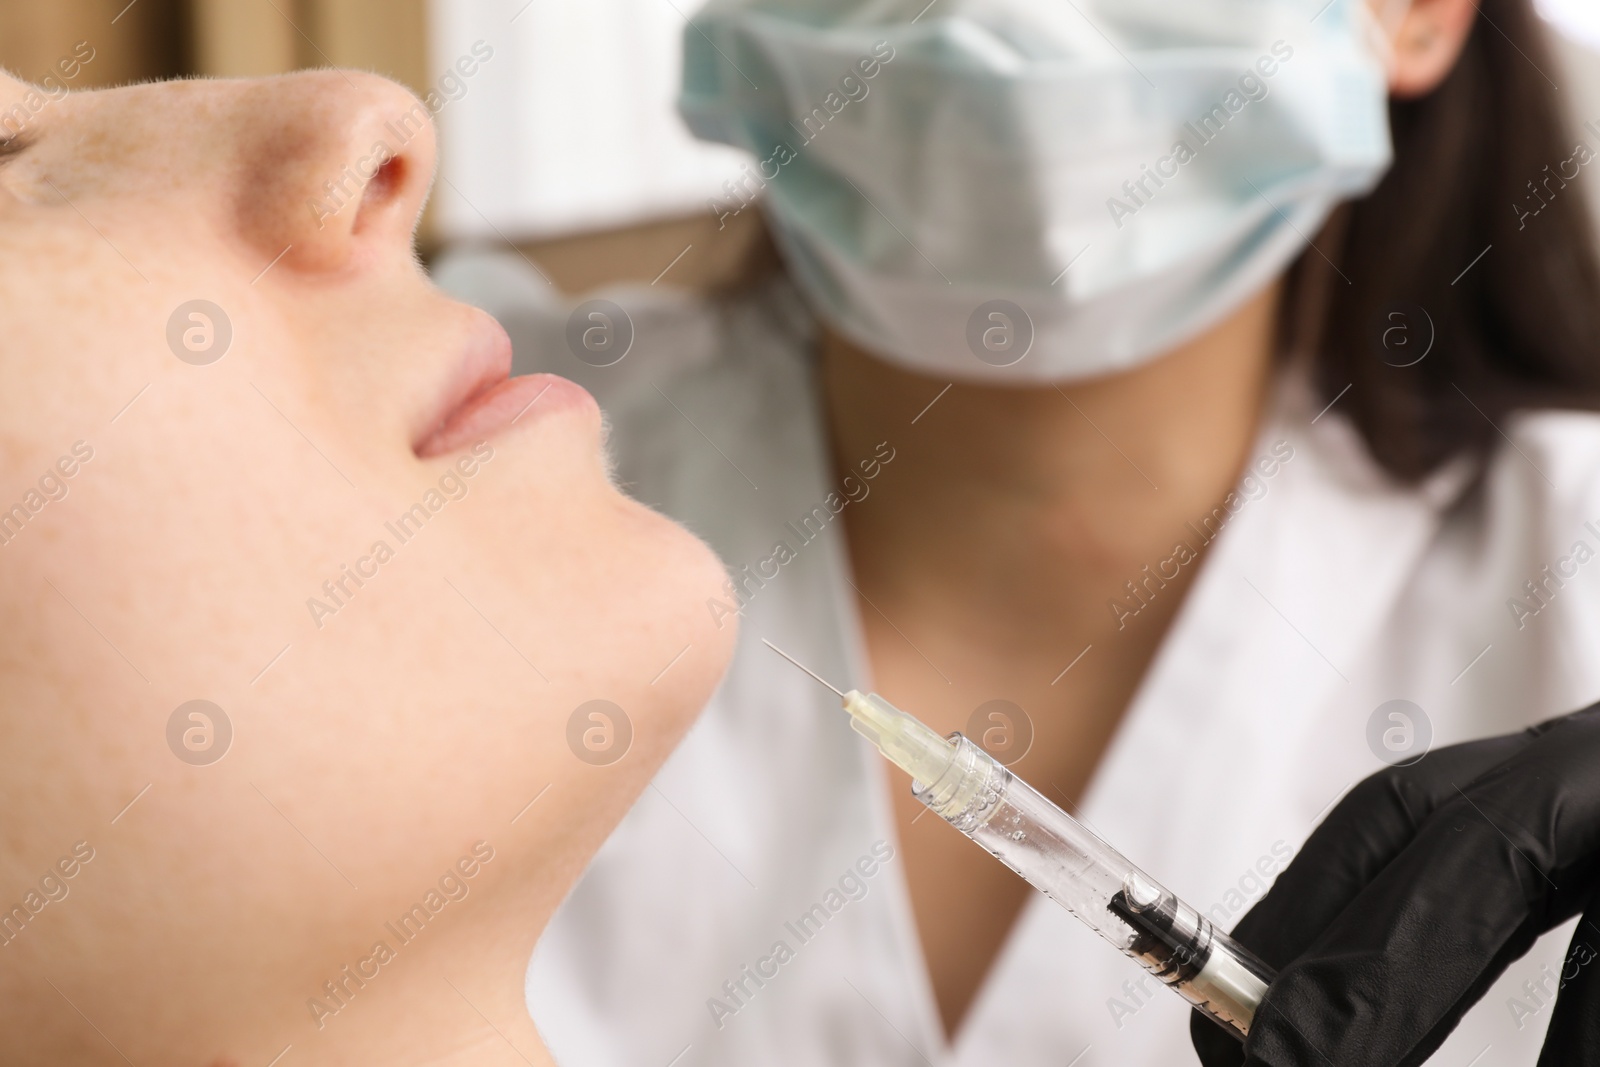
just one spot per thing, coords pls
(1060, 857)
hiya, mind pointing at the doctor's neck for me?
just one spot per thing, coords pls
(996, 482)
(1020, 546)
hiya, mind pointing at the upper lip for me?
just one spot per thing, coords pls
(485, 362)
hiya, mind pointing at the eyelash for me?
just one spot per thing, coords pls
(12, 147)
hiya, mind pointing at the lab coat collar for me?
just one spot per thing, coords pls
(1263, 645)
(1267, 639)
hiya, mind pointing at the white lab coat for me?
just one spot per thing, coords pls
(1334, 592)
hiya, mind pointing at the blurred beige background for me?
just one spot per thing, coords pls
(165, 38)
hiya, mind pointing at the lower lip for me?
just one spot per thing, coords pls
(498, 408)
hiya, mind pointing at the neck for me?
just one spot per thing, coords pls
(986, 554)
(1017, 498)
(448, 998)
(448, 995)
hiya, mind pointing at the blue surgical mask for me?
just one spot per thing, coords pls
(1031, 190)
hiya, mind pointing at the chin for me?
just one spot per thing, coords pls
(677, 575)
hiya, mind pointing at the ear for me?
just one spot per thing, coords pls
(1425, 40)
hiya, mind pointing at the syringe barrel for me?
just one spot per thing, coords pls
(1066, 862)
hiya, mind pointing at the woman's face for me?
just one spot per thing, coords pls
(250, 456)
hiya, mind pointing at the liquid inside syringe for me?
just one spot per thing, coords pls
(1061, 858)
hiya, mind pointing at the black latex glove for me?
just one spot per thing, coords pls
(1417, 891)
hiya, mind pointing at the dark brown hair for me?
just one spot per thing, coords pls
(1521, 327)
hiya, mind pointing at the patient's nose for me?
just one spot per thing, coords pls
(336, 165)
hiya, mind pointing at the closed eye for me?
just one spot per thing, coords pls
(12, 147)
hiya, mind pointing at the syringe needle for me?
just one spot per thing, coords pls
(803, 667)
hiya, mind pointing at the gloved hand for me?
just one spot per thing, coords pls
(1418, 890)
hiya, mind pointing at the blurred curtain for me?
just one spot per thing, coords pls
(129, 41)
(247, 38)
(570, 126)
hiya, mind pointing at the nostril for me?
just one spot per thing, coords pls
(383, 187)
